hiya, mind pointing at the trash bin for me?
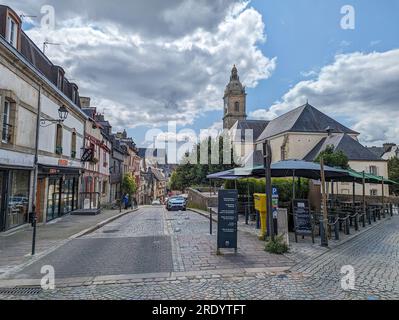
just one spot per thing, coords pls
(260, 206)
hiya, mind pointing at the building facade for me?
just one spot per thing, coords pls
(234, 101)
(29, 82)
(96, 178)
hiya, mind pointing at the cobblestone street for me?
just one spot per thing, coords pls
(155, 254)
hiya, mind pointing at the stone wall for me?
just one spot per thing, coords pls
(201, 200)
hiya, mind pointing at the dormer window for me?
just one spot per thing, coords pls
(60, 80)
(12, 32)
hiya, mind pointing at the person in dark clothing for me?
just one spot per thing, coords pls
(126, 201)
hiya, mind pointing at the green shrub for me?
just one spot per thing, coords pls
(277, 246)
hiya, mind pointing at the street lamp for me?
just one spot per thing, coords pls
(62, 114)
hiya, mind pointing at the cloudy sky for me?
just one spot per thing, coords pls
(145, 63)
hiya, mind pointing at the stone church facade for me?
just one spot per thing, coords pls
(301, 133)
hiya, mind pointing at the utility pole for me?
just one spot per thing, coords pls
(267, 154)
(36, 169)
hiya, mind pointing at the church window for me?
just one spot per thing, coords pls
(237, 106)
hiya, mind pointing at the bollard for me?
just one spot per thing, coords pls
(368, 215)
(246, 215)
(347, 226)
(356, 222)
(323, 234)
(336, 230)
(34, 225)
(391, 209)
(364, 220)
(210, 222)
(257, 220)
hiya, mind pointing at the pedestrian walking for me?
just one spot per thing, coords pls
(126, 201)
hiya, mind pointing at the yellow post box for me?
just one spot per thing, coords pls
(261, 207)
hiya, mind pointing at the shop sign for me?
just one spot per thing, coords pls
(63, 163)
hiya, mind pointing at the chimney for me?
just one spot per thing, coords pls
(388, 146)
(85, 102)
(329, 130)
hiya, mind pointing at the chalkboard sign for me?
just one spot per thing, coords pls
(227, 219)
(302, 219)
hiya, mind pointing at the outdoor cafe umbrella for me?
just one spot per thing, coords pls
(287, 168)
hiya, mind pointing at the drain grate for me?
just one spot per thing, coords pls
(110, 231)
(22, 291)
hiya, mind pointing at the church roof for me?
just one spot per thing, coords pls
(258, 126)
(303, 119)
(348, 145)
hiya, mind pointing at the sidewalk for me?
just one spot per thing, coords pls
(304, 250)
(15, 247)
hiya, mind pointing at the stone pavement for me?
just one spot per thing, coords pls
(373, 254)
(16, 245)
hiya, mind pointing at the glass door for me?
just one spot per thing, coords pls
(53, 199)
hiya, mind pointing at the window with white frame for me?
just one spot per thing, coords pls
(12, 32)
(373, 170)
(373, 192)
(5, 135)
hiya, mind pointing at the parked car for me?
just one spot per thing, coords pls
(156, 202)
(176, 203)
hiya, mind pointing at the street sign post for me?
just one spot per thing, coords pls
(275, 198)
(227, 220)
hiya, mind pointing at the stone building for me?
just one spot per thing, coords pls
(30, 82)
(96, 178)
(235, 100)
(302, 134)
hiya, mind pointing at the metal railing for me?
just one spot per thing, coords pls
(6, 133)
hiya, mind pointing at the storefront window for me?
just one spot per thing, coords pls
(18, 199)
(53, 200)
(62, 197)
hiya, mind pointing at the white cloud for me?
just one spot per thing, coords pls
(360, 88)
(162, 69)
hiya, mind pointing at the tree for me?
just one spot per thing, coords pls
(191, 172)
(393, 173)
(129, 185)
(333, 158)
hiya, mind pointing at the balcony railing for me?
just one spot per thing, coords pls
(6, 133)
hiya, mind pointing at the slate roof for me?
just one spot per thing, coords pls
(303, 119)
(158, 174)
(156, 153)
(378, 151)
(258, 126)
(343, 142)
(254, 159)
(39, 60)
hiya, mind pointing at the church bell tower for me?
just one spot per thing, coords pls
(234, 101)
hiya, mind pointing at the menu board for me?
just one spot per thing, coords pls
(302, 217)
(227, 219)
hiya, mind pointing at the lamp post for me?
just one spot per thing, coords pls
(63, 115)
